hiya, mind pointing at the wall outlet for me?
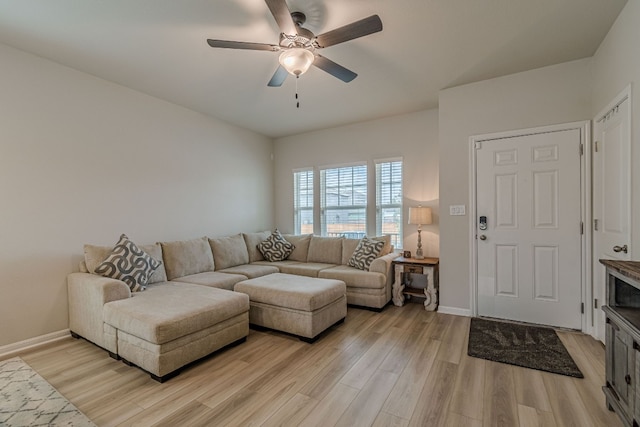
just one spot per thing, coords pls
(457, 210)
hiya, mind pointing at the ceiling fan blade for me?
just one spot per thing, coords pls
(334, 69)
(243, 45)
(278, 77)
(281, 13)
(360, 28)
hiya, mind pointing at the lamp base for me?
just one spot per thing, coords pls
(419, 254)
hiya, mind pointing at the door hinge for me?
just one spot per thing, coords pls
(595, 303)
(582, 149)
(595, 224)
(595, 146)
(581, 308)
(581, 227)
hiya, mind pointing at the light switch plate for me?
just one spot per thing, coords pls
(457, 210)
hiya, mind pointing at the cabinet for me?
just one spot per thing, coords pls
(416, 277)
(622, 353)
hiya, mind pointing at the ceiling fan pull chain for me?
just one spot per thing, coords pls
(297, 101)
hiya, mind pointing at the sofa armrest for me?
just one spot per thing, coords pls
(383, 264)
(87, 293)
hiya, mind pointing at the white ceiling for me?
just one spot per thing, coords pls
(159, 47)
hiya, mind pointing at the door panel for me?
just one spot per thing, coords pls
(611, 195)
(529, 257)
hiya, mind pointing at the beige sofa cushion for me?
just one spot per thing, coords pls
(348, 247)
(387, 248)
(252, 240)
(147, 315)
(301, 243)
(309, 269)
(251, 270)
(325, 250)
(229, 251)
(354, 277)
(214, 279)
(186, 257)
(95, 255)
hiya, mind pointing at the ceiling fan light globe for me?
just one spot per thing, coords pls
(296, 60)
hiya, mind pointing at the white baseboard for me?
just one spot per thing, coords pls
(11, 350)
(455, 311)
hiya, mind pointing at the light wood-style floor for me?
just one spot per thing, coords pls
(401, 367)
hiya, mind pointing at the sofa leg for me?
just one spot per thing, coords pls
(314, 339)
(74, 335)
(113, 355)
(165, 377)
(309, 340)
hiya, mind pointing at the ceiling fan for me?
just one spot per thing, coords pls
(298, 45)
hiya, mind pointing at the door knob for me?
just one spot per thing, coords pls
(483, 237)
(620, 249)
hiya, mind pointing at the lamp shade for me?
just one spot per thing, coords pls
(296, 60)
(420, 215)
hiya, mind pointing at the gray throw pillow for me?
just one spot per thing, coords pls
(275, 247)
(366, 251)
(129, 263)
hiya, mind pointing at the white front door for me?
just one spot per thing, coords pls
(529, 254)
(611, 194)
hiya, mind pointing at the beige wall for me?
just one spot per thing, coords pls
(615, 65)
(414, 137)
(83, 160)
(545, 96)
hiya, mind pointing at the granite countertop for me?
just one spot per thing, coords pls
(629, 269)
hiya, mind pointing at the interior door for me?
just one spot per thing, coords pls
(611, 195)
(529, 228)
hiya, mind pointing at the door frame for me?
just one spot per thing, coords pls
(585, 210)
(599, 286)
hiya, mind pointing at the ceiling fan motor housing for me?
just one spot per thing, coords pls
(302, 39)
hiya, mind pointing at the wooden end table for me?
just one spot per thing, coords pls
(428, 267)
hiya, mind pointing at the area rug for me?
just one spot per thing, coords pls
(27, 399)
(522, 345)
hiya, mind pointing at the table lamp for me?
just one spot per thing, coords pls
(419, 216)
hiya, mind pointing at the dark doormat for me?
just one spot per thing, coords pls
(532, 347)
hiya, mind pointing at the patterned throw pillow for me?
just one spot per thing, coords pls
(129, 263)
(366, 251)
(275, 247)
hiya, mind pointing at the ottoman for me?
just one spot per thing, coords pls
(299, 305)
(172, 324)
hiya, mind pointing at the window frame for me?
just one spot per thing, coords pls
(396, 238)
(360, 227)
(297, 209)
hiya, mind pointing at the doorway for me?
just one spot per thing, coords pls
(528, 214)
(611, 195)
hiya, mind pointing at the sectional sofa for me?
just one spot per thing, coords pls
(150, 328)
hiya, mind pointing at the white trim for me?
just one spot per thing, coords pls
(344, 165)
(307, 169)
(455, 311)
(585, 184)
(388, 160)
(11, 350)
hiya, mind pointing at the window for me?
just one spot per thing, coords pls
(303, 201)
(343, 201)
(389, 200)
